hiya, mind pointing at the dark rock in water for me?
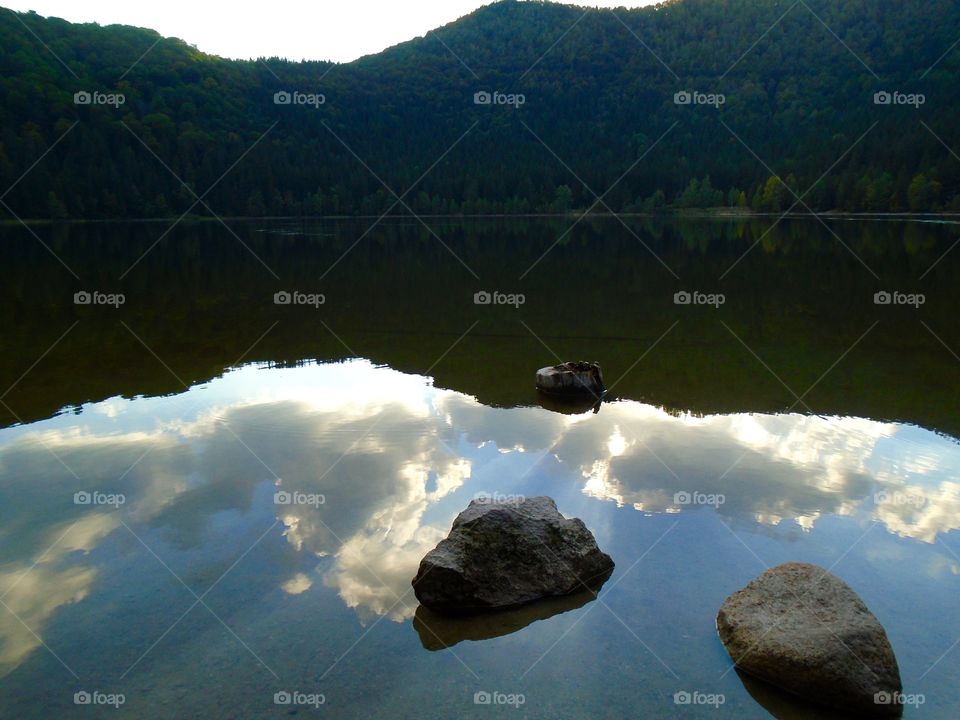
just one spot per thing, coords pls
(806, 631)
(572, 379)
(501, 555)
(438, 631)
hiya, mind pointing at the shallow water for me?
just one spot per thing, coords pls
(208, 590)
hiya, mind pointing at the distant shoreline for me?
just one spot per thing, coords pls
(706, 213)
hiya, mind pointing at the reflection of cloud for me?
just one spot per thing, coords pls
(377, 554)
(921, 513)
(33, 591)
(387, 449)
(511, 429)
(299, 583)
(767, 467)
(770, 468)
(34, 600)
(373, 574)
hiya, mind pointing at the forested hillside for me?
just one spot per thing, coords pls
(777, 90)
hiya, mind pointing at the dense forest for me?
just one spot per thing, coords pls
(519, 107)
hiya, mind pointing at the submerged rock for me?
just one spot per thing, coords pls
(574, 379)
(501, 555)
(806, 631)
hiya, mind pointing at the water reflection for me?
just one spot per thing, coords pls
(395, 459)
(568, 406)
(782, 705)
(438, 631)
(33, 589)
(800, 300)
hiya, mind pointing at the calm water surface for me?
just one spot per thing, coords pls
(282, 469)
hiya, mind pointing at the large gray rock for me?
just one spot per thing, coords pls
(806, 631)
(504, 554)
(572, 379)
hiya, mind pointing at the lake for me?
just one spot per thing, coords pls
(224, 448)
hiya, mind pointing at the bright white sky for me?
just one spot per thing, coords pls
(340, 30)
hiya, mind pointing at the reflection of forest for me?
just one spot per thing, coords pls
(200, 300)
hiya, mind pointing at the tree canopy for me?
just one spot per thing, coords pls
(519, 107)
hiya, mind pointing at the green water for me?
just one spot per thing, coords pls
(821, 426)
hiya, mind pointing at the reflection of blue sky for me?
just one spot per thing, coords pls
(396, 459)
(911, 458)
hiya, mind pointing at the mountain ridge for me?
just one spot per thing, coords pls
(602, 93)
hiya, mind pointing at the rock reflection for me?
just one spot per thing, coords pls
(569, 406)
(784, 706)
(438, 631)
